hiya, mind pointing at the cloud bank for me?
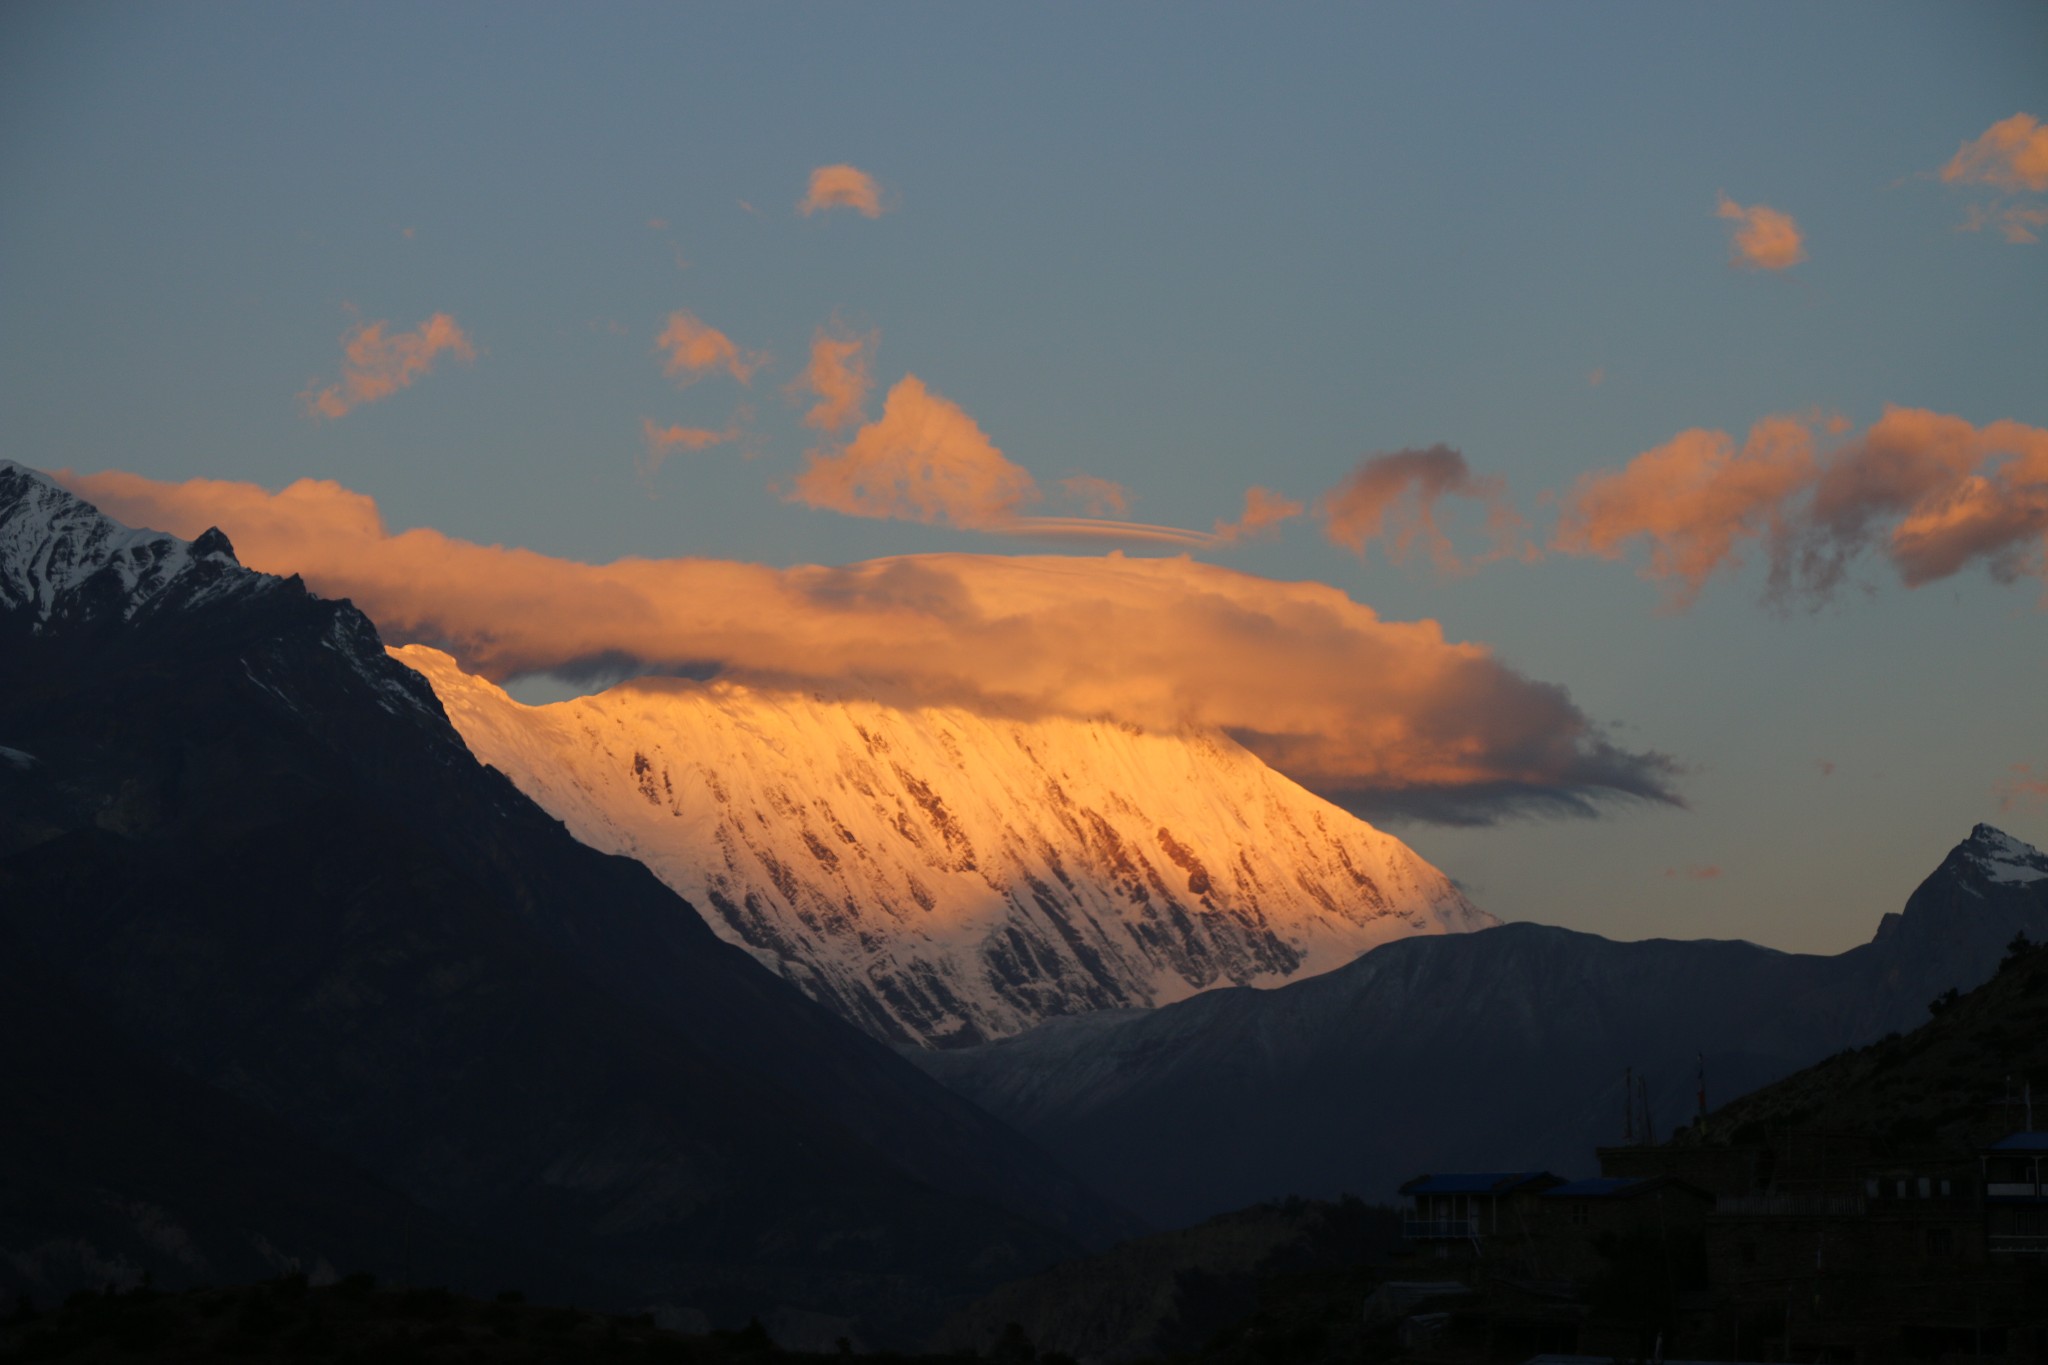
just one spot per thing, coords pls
(1930, 493)
(842, 187)
(376, 365)
(1387, 717)
(1763, 238)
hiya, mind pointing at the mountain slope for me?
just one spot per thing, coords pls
(945, 878)
(1500, 1050)
(251, 843)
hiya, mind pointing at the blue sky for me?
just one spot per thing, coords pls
(1185, 249)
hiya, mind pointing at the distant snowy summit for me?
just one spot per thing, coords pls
(945, 878)
(1998, 857)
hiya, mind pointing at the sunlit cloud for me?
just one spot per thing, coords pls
(1929, 492)
(1263, 511)
(1388, 717)
(377, 364)
(923, 460)
(691, 350)
(837, 376)
(1693, 500)
(926, 460)
(1763, 239)
(2012, 154)
(842, 187)
(660, 442)
(2026, 785)
(1098, 497)
(1394, 498)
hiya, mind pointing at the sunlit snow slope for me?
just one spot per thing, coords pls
(946, 878)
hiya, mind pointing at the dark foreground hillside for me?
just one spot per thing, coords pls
(356, 1321)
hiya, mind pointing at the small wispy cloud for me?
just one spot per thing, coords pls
(2026, 785)
(2011, 156)
(1394, 498)
(1696, 873)
(841, 186)
(377, 364)
(1764, 238)
(1263, 511)
(691, 349)
(837, 376)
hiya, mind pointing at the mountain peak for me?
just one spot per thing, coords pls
(1997, 856)
(62, 559)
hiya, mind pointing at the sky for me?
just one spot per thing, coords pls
(1607, 445)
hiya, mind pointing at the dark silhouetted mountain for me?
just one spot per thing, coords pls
(1504, 1049)
(247, 844)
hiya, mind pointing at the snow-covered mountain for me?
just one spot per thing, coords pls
(944, 877)
(61, 561)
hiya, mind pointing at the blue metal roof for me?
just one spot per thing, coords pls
(2022, 1142)
(1480, 1182)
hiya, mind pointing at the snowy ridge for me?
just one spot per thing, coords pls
(60, 557)
(945, 878)
(1999, 857)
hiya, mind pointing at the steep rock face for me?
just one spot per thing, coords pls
(240, 837)
(945, 878)
(1500, 1050)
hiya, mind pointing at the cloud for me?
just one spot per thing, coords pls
(376, 365)
(1692, 499)
(662, 442)
(1395, 497)
(838, 375)
(695, 350)
(1388, 717)
(842, 187)
(1765, 239)
(923, 460)
(2012, 154)
(1263, 510)
(1098, 496)
(2015, 222)
(1931, 493)
(2025, 786)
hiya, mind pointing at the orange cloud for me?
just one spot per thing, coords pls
(1388, 716)
(376, 365)
(1692, 499)
(923, 460)
(694, 350)
(842, 187)
(2026, 786)
(662, 442)
(1765, 239)
(2011, 154)
(1098, 496)
(1932, 493)
(1263, 510)
(838, 375)
(1396, 495)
